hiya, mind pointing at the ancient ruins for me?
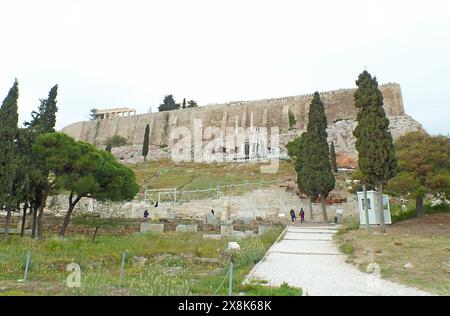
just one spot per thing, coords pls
(289, 114)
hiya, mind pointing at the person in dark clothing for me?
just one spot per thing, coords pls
(157, 204)
(146, 214)
(212, 212)
(293, 216)
(302, 215)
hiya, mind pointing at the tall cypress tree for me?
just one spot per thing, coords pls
(317, 175)
(334, 166)
(376, 155)
(146, 143)
(43, 121)
(8, 134)
(303, 177)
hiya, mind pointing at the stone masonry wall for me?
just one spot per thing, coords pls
(339, 105)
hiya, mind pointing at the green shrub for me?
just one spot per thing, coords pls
(441, 208)
(261, 290)
(403, 216)
(347, 249)
(292, 120)
(116, 141)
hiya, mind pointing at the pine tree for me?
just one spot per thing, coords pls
(192, 104)
(168, 104)
(333, 158)
(8, 134)
(146, 143)
(317, 162)
(376, 155)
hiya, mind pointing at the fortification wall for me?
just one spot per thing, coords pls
(339, 105)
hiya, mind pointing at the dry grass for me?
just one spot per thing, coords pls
(425, 243)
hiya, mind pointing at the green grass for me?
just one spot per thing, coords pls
(178, 264)
(347, 249)
(283, 290)
(192, 176)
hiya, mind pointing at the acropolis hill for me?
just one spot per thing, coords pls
(339, 107)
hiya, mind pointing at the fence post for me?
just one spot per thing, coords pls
(27, 266)
(124, 255)
(230, 288)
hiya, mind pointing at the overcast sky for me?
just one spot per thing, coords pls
(131, 53)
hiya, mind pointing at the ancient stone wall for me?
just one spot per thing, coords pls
(339, 105)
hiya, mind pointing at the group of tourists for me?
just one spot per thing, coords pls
(301, 214)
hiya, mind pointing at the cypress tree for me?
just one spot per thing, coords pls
(8, 134)
(43, 121)
(316, 176)
(146, 143)
(333, 158)
(376, 155)
(184, 103)
(303, 178)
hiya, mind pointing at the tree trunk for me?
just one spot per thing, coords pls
(24, 220)
(66, 222)
(381, 209)
(7, 220)
(420, 211)
(40, 228)
(34, 221)
(323, 199)
(311, 208)
(95, 234)
(366, 208)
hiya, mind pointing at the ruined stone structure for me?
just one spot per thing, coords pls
(109, 113)
(339, 107)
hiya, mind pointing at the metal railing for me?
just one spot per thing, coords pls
(176, 196)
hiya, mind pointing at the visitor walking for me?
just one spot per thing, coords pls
(293, 217)
(146, 214)
(302, 215)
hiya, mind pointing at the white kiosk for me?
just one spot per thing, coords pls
(373, 199)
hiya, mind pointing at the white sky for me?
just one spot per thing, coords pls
(131, 53)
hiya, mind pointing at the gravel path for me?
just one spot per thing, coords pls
(308, 258)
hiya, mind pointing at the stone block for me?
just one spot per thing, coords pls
(226, 230)
(234, 246)
(187, 228)
(154, 228)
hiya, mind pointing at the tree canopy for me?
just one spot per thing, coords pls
(84, 171)
(168, 104)
(313, 164)
(8, 165)
(423, 167)
(376, 154)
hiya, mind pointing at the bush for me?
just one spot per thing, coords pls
(440, 208)
(292, 120)
(347, 249)
(116, 141)
(403, 216)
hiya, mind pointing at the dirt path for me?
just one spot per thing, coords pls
(308, 258)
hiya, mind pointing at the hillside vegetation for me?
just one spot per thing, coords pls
(190, 176)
